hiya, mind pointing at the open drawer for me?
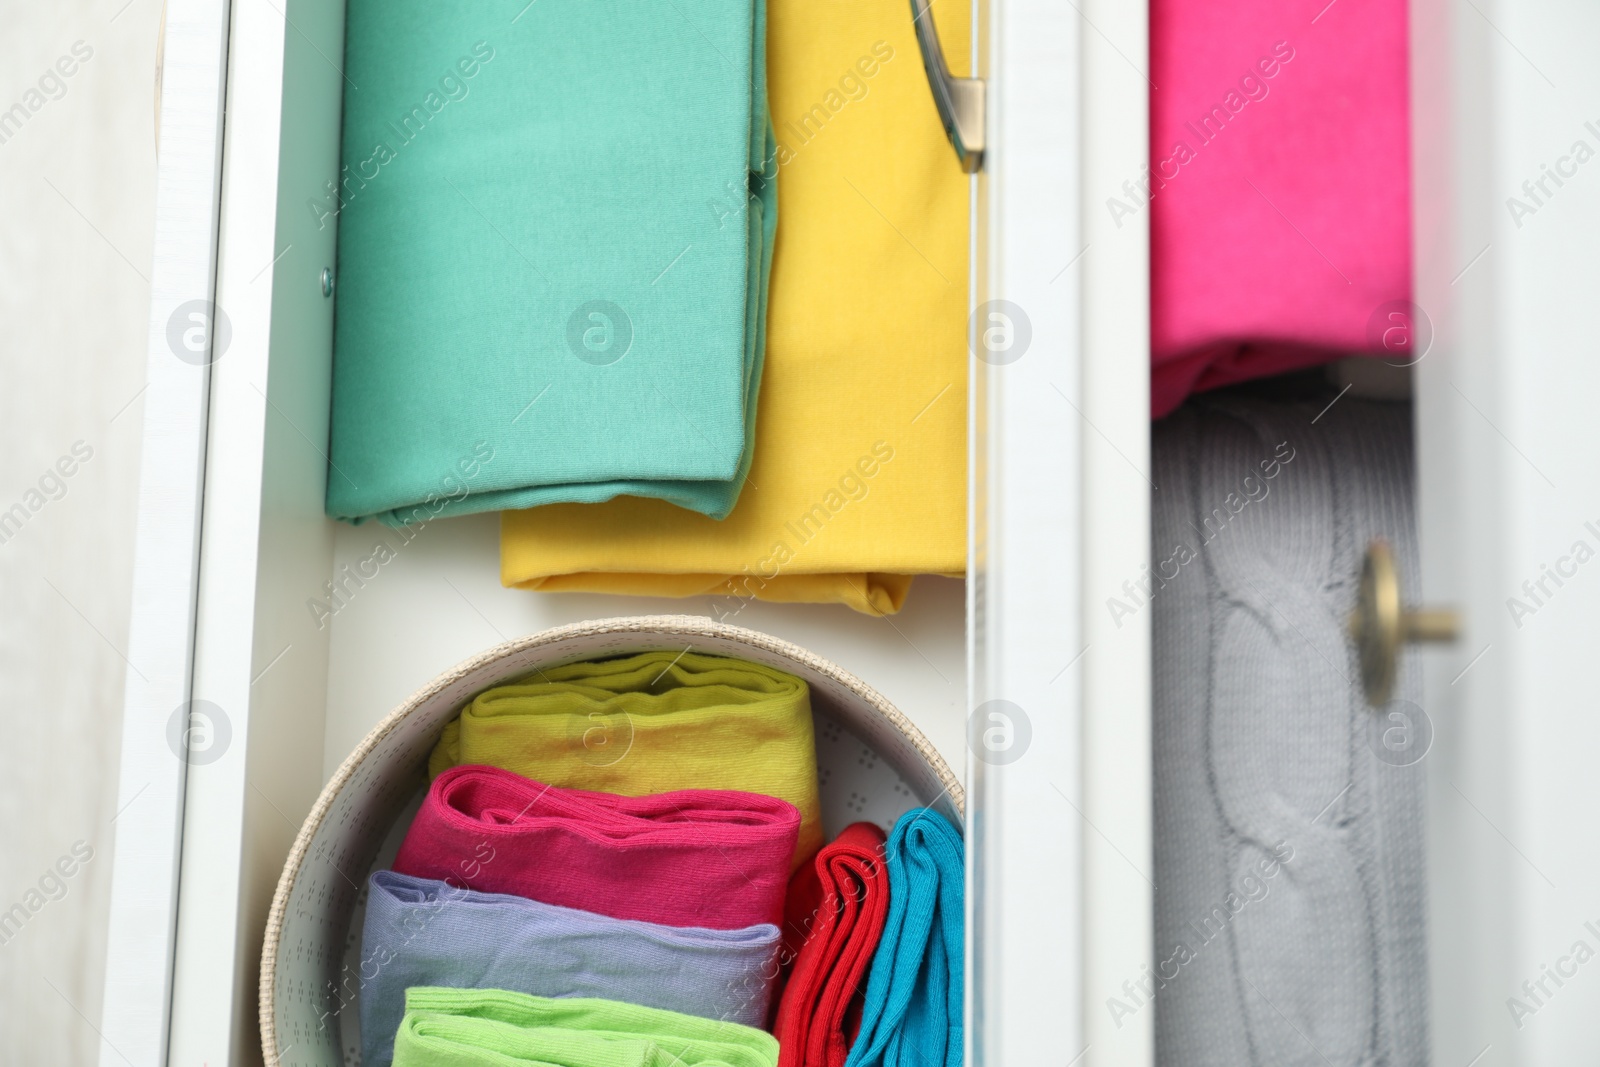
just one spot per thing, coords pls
(235, 553)
(233, 542)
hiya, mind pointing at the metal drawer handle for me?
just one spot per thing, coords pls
(959, 100)
(1380, 625)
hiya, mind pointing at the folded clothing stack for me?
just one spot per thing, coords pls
(859, 479)
(697, 857)
(663, 908)
(496, 1028)
(1279, 191)
(539, 297)
(912, 1014)
(833, 921)
(422, 932)
(650, 723)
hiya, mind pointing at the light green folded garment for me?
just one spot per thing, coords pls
(555, 233)
(496, 1028)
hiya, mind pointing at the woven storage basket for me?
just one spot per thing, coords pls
(873, 763)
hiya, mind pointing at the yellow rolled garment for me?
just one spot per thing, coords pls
(859, 477)
(656, 722)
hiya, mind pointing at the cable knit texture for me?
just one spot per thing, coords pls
(1289, 866)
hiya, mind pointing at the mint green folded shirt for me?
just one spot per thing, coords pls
(496, 1028)
(555, 232)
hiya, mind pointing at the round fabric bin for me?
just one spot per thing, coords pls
(873, 765)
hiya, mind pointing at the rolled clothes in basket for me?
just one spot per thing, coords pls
(859, 480)
(497, 1028)
(424, 932)
(833, 920)
(650, 723)
(912, 1014)
(697, 857)
(555, 234)
(1279, 191)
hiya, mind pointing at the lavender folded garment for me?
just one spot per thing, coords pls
(422, 932)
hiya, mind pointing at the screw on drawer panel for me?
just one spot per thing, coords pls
(327, 281)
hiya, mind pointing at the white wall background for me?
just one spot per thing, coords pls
(77, 196)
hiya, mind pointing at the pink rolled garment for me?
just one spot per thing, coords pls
(1281, 180)
(711, 858)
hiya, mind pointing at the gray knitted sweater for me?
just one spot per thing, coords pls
(1288, 829)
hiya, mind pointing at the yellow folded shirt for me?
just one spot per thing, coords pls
(651, 723)
(859, 479)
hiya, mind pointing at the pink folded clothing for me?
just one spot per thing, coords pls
(1279, 189)
(711, 858)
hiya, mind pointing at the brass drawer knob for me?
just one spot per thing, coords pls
(1380, 624)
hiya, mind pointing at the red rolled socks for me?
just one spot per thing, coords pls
(711, 858)
(832, 923)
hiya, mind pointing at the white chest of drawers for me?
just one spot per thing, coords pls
(232, 540)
